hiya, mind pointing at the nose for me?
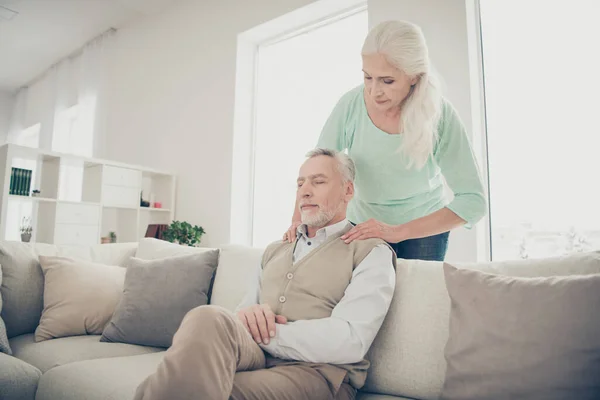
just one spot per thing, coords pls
(305, 192)
(376, 88)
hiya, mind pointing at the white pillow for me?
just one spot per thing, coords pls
(152, 249)
(237, 265)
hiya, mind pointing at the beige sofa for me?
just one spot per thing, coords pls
(407, 357)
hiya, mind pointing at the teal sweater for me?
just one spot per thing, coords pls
(385, 189)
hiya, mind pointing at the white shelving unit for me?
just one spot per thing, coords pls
(82, 199)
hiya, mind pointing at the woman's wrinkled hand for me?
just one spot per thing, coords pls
(290, 235)
(372, 229)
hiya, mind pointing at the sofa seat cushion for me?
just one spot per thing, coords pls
(373, 396)
(18, 380)
(100, 379)
(55, 352)
(115, 379)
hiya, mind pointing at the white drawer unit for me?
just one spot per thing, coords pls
(120, 196)
(74, 213)
(76, 235)
(118, 176)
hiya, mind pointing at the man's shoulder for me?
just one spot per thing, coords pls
(377, 247)
(370, 243)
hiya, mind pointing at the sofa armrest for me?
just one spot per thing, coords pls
(18, 379)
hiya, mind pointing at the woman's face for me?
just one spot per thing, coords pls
(386, 86)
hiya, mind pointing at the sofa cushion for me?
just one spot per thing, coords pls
(52, 353)
(151, 249)
(407, 356)
(22, 287)
(80, 297)
(115, 379)
(237, 263)
(157, 295)
(23, 281)
(101, 379)
(4, 344)
(18, 380)
(522, 337)
(372, 396)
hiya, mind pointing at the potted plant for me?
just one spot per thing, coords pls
(183, 233)
(26, 229)
(113, 237)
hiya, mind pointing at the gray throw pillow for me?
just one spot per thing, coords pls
(22, 287)
(522, 338)
(4, 344)
(156, 296)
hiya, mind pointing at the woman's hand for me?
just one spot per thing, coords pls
(372, 229)
(290, 235)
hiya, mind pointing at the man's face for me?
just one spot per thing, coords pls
(322, 195)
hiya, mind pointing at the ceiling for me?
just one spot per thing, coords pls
(45, 31)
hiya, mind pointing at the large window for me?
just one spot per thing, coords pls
(541, 82)
(299, 80)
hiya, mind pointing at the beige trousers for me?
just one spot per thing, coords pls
(213, 357)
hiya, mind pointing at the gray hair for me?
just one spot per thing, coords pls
(345, 164)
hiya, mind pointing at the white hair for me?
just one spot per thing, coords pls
(344, 162)
(403, 45)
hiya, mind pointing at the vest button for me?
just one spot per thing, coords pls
(290, 275)
(282, 299)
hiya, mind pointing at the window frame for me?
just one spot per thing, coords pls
(295, 23)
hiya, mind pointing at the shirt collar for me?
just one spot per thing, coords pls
(328, 230)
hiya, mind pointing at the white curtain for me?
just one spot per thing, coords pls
(76, 85)
(93, 90)
(87, 85)
(17, 118)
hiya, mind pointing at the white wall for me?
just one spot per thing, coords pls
(446, 25)
(172, 100)
(6, 106)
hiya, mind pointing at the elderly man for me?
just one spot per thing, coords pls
(309, 316)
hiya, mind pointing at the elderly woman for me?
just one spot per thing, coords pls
(406, 141)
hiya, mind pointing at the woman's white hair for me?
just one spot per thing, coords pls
(404, 46)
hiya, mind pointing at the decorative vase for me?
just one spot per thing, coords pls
(25, 237)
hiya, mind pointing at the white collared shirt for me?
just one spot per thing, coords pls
(345, 336)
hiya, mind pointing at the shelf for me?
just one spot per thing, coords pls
(120, 207)
(31, 198)
(48, 200)
(152, 209)
(121, 220)
(87, 203)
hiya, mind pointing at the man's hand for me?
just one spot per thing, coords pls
(260, 321)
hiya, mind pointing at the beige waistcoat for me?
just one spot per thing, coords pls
(312, 287)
